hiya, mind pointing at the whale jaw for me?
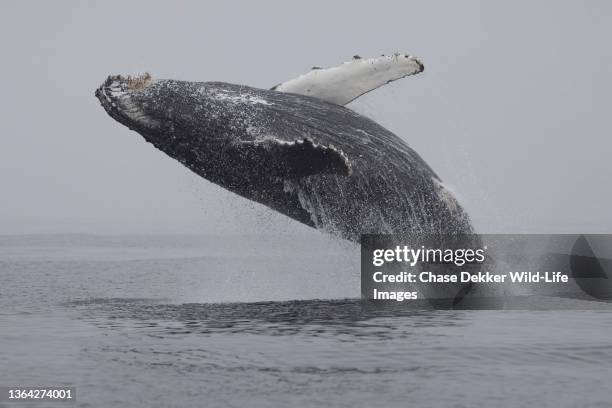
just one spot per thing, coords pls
(115, 95)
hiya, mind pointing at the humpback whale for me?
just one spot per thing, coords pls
(296, 148)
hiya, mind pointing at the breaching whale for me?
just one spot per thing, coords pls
(297, 149)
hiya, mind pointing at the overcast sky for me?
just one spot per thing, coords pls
(513, 110)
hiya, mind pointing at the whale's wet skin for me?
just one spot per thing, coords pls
(316, 162)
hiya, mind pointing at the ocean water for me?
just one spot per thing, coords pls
(180, 321)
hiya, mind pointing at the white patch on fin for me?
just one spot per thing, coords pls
(346, 82)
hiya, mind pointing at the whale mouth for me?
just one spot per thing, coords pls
(115, 95)
(117, 86)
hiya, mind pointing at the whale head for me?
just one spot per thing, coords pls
(221, 132)
(175, 116)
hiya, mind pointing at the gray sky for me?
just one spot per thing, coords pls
(512, 111)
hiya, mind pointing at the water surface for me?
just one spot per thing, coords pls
(210, 321)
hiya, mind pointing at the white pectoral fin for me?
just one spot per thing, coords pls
(346, 82)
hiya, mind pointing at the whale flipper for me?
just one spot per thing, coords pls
(344, 83)
(300, 158)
